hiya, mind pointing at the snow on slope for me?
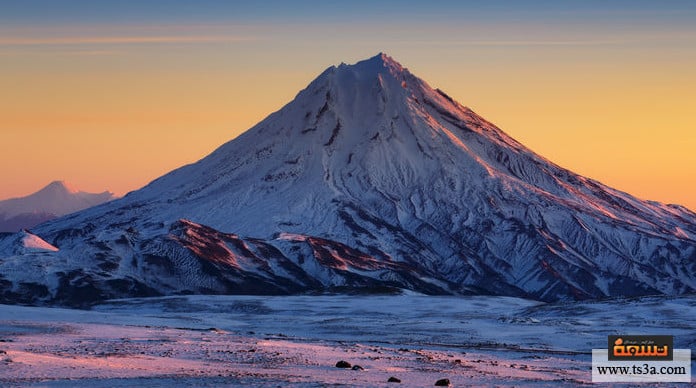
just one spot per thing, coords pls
(24, 242)
(31, 242)
(54, 200)
(383, 181)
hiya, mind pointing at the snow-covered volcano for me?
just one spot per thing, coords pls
(368, 178)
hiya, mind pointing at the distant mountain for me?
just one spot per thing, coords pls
(54, 200)
(368, 179)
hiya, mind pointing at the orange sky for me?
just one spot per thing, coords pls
(113, 106)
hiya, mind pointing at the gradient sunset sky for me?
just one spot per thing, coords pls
(112, 94)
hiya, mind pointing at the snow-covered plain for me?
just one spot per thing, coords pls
(297, 340)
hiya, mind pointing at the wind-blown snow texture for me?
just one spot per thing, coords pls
(368, 178)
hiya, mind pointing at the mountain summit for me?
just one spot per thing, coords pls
(368, 178)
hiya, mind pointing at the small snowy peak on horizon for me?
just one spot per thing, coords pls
(56, 199)
(60, 185)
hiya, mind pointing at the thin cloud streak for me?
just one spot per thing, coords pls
(540, 43)
(518, 43)
(115, 40)
(18, 52)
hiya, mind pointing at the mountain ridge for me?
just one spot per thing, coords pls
(382, 180)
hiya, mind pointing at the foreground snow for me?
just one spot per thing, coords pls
(296, 340)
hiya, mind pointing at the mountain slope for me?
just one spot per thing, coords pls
(371, 178)
(54, 200)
